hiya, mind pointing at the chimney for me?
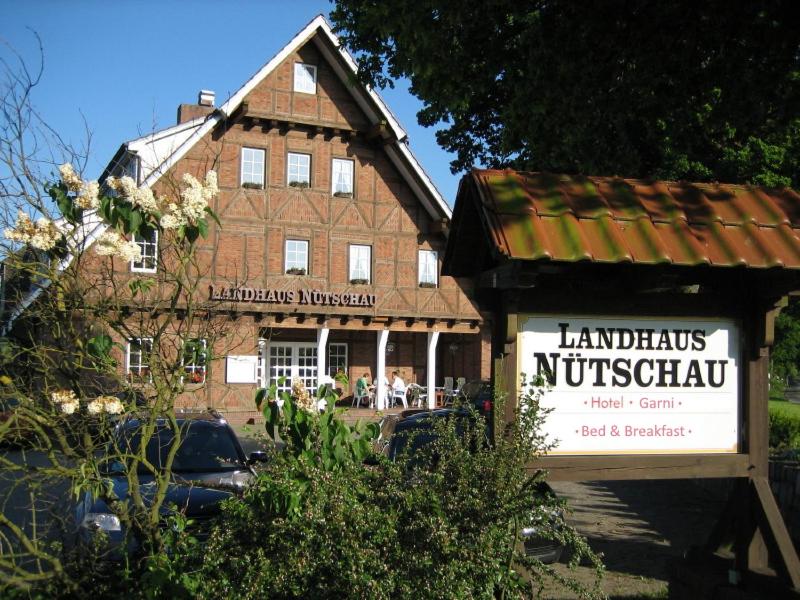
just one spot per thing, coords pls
(204, 106)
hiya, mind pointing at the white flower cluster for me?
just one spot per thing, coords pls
(302, 397)
(105, 404)
(42, 235)
(194, 201)
(65, 400)
(87, 192)
(138, 196)
(111, 243)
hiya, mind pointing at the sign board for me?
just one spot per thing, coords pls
(241, 369)
(624, 385)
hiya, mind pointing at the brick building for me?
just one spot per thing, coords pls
(332, 234)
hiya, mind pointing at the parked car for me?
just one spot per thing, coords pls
(411, 434)
(479, 394)
(15, 431)
(209, 467)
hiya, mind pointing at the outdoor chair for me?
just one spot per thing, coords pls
(360, 395)
(448, 389)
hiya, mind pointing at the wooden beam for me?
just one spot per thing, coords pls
(656, 466)
(770, 517)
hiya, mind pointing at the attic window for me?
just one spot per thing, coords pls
(305, 78)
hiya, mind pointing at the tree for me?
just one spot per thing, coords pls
(675, 90)
(70, 306)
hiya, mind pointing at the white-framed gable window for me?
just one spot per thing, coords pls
(148, 246)
(195, 360)
(296, 257)
(337, 359)
(428, 268)
(342, 177)
(138, 359)
(305, 78)
(360, 263)
(252, 168)
(298, 169)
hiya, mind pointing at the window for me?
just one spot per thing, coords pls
(360, 262)
(337, 359)
(131, 168)
(342, 179)
(148, 245)
(252, 168)
(139, 350)
(296, 257)
(305, 78)
(298, 171)
(195, 359)
(427, 268)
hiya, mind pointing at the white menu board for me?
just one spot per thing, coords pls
(624, 385)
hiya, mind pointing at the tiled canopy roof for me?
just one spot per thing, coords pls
(535, 216)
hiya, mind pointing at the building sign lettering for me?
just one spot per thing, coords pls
(635, 385)
(301, 297)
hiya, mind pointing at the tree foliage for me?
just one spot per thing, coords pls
(675, 90)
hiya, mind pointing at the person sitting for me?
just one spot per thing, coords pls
(399, 389)
(362, 389)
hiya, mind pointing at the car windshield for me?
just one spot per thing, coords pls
(203, 447)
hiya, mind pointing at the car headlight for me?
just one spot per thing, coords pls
(101, 521)
(237, 479)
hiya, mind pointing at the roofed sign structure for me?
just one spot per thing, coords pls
(648, 307)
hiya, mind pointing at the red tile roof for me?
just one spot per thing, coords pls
(536, 216)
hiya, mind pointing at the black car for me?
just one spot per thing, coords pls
(209, 466)
(411, 434)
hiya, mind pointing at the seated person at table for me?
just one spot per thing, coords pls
(362, 387)
(399, 388)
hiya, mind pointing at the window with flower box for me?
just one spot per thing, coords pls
(138, 359)
(305, 78)
(337, 359)
(428, 268)
(296, 257)
(298, 170)
(252, 168)
(195, 360)
(148, 246)
(360, 264)
(342, 177)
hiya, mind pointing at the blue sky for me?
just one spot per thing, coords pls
(124, 66)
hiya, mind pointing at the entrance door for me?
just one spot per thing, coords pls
(290, 360)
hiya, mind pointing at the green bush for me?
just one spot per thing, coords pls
(784, 430)
(443, 525)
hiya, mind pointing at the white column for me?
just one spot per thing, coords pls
(380, 389)
(322, 343)
(263, 375)
(433, 339)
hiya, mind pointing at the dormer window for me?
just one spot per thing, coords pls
(305, 78)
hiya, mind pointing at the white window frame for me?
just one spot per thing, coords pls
(149, 250)
(249, 171)
(342, 179)
(141, 365)
(289, 263)
(341, 349)
(428, 267)
(295, 170)
(305, 78)
(191, 368)
(357, 260)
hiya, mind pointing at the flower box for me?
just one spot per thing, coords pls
(343, 194)
(251, 185)
(296, 271)
(359, 281)
(298, 184)
(427, 284)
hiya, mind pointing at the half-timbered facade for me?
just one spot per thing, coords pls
(328, 258)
